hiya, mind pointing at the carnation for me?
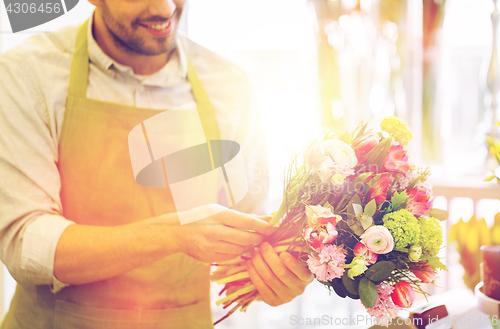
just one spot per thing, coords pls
(328, 264)
(404, 228)
(385, 309)
(431, 235)
(398, 129)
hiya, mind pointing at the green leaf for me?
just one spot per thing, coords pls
(360, 179)
(434, 262)
(368, 292)
(351, 285)
(366, 221)
(339, 288)
(439, 214)
(490, 178)
(371, 207)
(378, 154)
(361, 131)
(398, 200)
(380, 271)
(413, 183)
(351, 220)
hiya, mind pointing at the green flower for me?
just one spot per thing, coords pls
(404, 228)
(398, 129)
(431, 235)
(357, 267)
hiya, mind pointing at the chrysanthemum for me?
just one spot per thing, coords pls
(398, 129)
(431, 235)
(328, 265)
(385, 309)
(404, 228)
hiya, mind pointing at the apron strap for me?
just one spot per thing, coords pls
(79, 80)
(205, 109)
(80, 66)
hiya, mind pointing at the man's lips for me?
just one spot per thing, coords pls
(158, 29)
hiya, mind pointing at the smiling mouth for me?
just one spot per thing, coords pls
(158, 27)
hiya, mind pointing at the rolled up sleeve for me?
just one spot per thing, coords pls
(30, 207)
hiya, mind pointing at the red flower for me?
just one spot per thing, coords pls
(379, 190)
(397, 159)
(425, 273)
(419, 201)
(360, 250)
(364, 144)
(403, 294)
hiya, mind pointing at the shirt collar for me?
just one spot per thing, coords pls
(169, 75)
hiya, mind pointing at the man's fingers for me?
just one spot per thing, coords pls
(277, 267)
(293, 265)
(268, 275)
(265, 292)
(238, 237)
(222, 247)
(267, 218)
(245, 222)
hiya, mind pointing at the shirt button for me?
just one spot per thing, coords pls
(141, 88)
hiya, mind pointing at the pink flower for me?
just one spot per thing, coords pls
(379, 190)
(318, 235)
(360, 250)
(403, 294)
(385, 309)
(321, 215)
(364, 144)
(397, 159)
(343, 156)
(328, 265)
(315, 153)
(322, 226)
(419, 199)
(425, 273)
(378, 239)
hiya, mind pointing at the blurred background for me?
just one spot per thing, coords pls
(322, 65)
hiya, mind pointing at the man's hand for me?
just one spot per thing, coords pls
(278, 278)
(222, 236)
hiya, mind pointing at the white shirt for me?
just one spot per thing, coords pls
(34, 81)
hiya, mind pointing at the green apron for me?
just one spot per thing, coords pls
(98, 188)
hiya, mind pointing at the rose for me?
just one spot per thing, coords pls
(343, 156)
(314, 153)
(378, 239)
(403, 294)
(425, 273)
(364, 144)
(360, 250)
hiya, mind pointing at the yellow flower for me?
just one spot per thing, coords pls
(398, 129)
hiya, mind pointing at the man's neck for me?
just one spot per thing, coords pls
(140, 64)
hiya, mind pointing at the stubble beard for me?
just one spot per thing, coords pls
(125, 39)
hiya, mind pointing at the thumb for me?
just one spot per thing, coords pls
(267, 218)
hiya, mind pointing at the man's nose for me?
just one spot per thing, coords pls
(163, 8)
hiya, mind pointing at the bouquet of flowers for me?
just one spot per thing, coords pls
(358, 213)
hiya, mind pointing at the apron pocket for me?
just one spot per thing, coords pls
(69, 315)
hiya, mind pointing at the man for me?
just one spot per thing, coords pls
(89, 247)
